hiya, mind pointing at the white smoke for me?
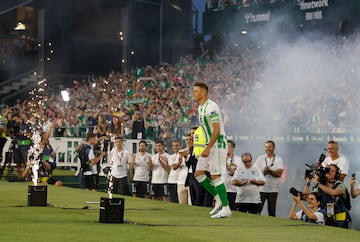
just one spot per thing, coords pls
(306, 83)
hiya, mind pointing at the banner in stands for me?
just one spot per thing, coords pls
(295, 13)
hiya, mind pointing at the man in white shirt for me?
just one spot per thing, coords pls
(335, 158)
(174, 173)
(140, 171)
(160, 170)
(272, 167)
(119, 162)
(248, 178)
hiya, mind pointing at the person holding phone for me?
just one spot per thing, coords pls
(354, 191)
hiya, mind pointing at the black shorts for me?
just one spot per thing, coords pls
(141, 188)
(160, 190)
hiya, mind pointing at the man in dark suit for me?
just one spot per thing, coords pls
(199, 196)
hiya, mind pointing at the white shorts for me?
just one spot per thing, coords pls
(215, 163)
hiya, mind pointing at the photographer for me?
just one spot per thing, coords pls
(89, 161)
(334, 195)
(20, 132)
(312, 214)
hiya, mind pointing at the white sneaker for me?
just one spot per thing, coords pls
(216, 209)
(225, 212)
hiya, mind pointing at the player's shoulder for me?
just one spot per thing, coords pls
(211, 104)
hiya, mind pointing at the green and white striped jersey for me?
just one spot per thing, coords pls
(210, 113)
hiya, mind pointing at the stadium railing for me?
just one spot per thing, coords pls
(65, 149)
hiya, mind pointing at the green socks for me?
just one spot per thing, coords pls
(215, 187)
(221, 190)
(207, 184)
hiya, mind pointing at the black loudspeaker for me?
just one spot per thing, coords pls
(37, 195)
(112, 210)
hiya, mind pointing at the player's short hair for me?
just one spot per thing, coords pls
(202, 85)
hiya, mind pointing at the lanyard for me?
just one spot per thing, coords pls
(272, 162)
(121, 156)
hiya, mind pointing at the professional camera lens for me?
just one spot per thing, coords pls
(294, 192)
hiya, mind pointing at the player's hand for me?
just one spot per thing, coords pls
(206, 152)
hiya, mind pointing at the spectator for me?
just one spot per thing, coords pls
(167, 136)
(116, 128)
(335, 158)
(175, 160)
(272, 167)
(140, 168)
(248, 178)
(160, 170)
(354, 191)
(119, 162)
(137, 125)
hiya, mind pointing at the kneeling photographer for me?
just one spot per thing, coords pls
(313, 213)
(334, 195)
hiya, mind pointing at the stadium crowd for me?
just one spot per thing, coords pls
(161, 95)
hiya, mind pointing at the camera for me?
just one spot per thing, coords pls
(295, 192)
(320, 171)
(317, 169)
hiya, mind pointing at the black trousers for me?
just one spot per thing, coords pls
(199, 196)
(120, 186)
(172, 189)
(231, 199)
(271, 198)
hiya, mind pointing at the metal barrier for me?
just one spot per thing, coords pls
(65, 149)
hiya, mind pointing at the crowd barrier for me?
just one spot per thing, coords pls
(66, 156)
(65, 149)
